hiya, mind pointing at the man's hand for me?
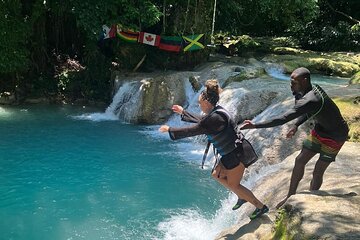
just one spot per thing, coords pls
(164, 128)
(177, 109)
(247, 124)
(292, 132)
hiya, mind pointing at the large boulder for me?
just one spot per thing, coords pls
(330, 213)
(355, 79)
(158, 95)
(249, 98)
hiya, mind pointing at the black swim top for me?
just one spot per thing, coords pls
(209, 124)
(315, 104)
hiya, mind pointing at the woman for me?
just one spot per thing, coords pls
(219, 128)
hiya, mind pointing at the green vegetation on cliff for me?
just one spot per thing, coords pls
(50, 47)
(350, 109)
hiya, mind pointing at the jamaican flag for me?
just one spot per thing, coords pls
(171, 43)
(193, 42)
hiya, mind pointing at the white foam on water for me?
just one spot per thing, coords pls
(124, 104)
(4, 113)
(97, 117)
(193, 224)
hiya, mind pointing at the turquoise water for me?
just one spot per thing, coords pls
(64, 178)
(315, 78)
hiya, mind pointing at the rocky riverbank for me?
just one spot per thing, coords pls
(330, 213)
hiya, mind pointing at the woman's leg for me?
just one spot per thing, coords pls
(231, 180)
(233, 177)
(218, 175)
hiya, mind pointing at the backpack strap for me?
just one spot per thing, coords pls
(205, 154)
(215, 154)
(217, 160)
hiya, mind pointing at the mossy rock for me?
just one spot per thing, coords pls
(246, 73)
(338, 68)
(350, 110)
(331, 64)
(288, 224)
(355, 79)
(287, 50)
(354, 133)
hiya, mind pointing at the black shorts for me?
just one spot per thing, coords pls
(231, 160)
(244, 153)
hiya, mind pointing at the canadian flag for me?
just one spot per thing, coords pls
(149, 38)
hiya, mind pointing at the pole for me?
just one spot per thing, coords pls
(213, 24)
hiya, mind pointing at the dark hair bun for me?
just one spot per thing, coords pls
(212, 91)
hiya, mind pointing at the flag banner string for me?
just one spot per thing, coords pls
(166, 43)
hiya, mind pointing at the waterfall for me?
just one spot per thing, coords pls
(126, 101)
(124, 105)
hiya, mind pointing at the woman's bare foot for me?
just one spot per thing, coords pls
(281, 203)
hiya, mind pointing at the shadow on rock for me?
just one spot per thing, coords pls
(250, 227)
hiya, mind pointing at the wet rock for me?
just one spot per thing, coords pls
(195, 83)
(330, 213)
(7, 98)
(158, 96)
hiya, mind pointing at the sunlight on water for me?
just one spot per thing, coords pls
(4, 113)
(277, 73)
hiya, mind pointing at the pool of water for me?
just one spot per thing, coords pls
(65, 178)
(315, 78)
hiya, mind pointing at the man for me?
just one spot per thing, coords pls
(327, 137)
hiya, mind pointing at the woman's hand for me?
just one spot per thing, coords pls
(177, 109)
(164, 128)
(247, 124)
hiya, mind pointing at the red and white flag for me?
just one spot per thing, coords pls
(149, 38)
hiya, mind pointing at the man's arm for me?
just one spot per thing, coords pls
(301, 120)
(288, 116)
(300, 109)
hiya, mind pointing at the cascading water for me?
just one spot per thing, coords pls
(124, 105)
(256, 99)
(126, 101)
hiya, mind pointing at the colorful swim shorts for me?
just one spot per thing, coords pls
(328, 148)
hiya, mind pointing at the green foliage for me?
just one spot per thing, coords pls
(350, 110)
(92, 14)
(263, 17)
(14, 55)
(331, 30)
(35, 34)
(340, 37)
(246, 42)
(288, 225)
(95, 79)
(280, 225)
